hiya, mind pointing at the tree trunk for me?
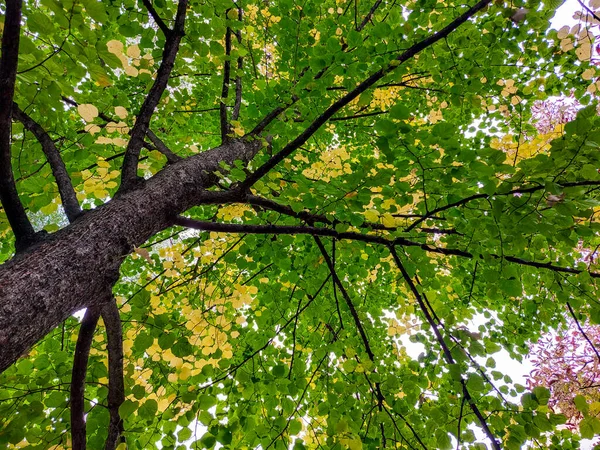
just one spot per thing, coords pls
(78, 265)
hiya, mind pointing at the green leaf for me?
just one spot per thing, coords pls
(581, 403)
(399, 111)
(148, 409)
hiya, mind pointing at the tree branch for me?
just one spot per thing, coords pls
(446, 351)
(289, 148)
(161, 147)
(225, 125)
(116, 388)
(361, 330)
(15, 213)
(311, 218)
(266, 121)
(161, 24)
(369, 15)
(129, 177)
(347, 299)
(466, 200)
(591, 12)
(582, 331)
(369, 238)
(238, 79)
(156, 143)
(59, 170)
(80, 361)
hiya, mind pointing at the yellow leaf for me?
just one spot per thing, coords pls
(133, 51)
(389, 220)
(563, 32)
(87, 111)
(588, 74)
(131, 71)
(115, 47)
(566, 45)
(92, 128)
(120, 112)
(584, 52)
(371, 215)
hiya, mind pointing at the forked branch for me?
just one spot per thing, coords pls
(361, 331)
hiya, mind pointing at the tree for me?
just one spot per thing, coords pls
(254, 202)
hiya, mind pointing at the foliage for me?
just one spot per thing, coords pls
(382, 213)
(567, 362)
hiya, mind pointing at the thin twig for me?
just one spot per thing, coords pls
(445, 349)
(161, 24)
(583, 333)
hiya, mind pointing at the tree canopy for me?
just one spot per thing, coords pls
(292, 224)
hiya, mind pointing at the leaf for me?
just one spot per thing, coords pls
(586, 429)
(148, 409)
(399, 111)
(581, 403)
(87, 111)
(385, 127)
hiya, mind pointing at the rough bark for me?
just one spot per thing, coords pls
(45, 284)
(15, 213)
(116, 385)
(80, 362)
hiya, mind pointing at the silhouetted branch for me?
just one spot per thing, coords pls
(466, 200)
(347, 299)
(446, 351)
(266, 121)
(225, 125)
(369, 238)
(59, 170)
(161, 24)
(369, 16)
(581, 330)
(361, 330)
